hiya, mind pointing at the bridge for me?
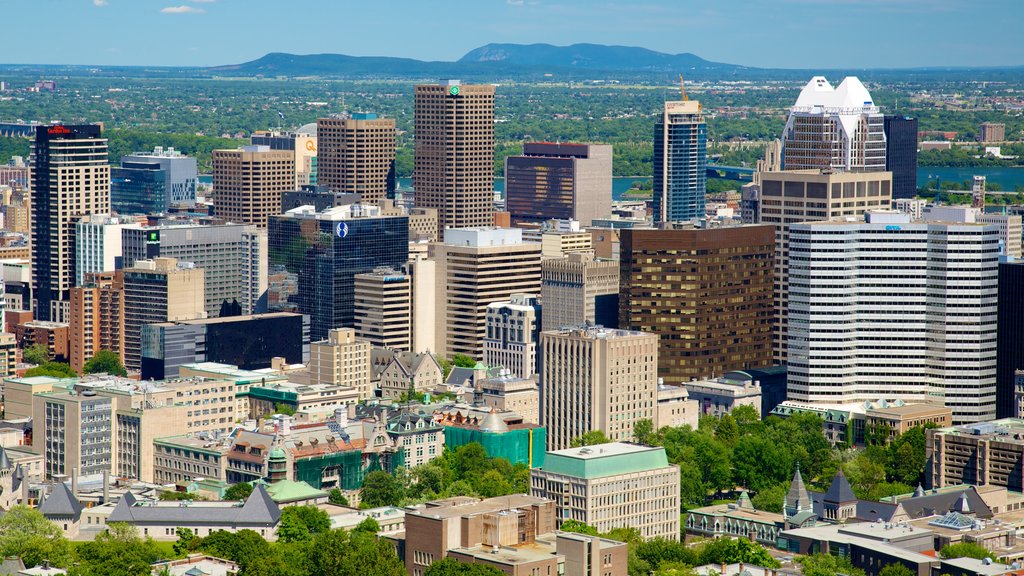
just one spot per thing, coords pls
(17, 130)
(737, 173)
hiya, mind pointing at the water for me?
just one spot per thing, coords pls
(619, 185)
(1007, 178)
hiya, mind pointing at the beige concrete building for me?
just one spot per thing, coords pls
(983, 454)
(792, 196)
(97, 318)
(597, 379)
(357, 155)
(612, 485)
(559, 238)
(477, 267)
(8, 354)
(422, 272)
(992, 132)
(454, 143)
(512, 330)
(248, 183)
(508, 393)
(578, 289)
(383, 308)
(341, 360)
(422, 221)
(406, 370)
(160, 290)
(676, 408)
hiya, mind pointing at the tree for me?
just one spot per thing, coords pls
(727, 431)
(36, 354)
(25, 532)
(336, 496)
(578, 527)
(380, 489)
(52, 369)
(175, 495)
(661, 550)
(368, 525)
(187, 541)
(730, 551)
(644, 433)
(896, 570)
(239, 491)
(117, 551)
(105, 362)
(243, 547)
(590, 439)
(282, 408)
(301, 523)
(452, 567)
(463, 361)
(770, 499)
(828, 565)
(965, 550)
(492, 484)
(359, 552)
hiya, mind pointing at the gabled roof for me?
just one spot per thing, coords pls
(840, 491)
(258, 510)
(61, 503)
(942, 502)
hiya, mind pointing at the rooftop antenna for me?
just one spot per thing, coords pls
(682, 89)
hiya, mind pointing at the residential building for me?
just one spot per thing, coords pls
(249, 342)
(597, 379)
(97, 318)
(324, 251)
(809, 195)
(559, 180)
(612, 485)
(153, 182)
(248, 183)
(837, 128)
(233, 258)
(578, 289)
(706, 293)
(680, 162)
(844, 293)
(501, 433)
(303, 142)
(70, 179)
(383, 308)
(53, 335)
(1009, 341)
(406, 371)
(513, 328)
(722, 395)
(901, 154)
(357, 155)
(160, 290)
(992, 132)
(341, 360)
(477, 267)
(98, 244)
(454, 143)
(8, 354)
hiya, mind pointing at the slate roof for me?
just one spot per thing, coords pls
(798, 497)
(61, 503)
(5, 461)
(866, 510)
(942, 502)
(840, 491)
(258, 510)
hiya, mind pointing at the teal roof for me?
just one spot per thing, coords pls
(284, 491)
(603, 460)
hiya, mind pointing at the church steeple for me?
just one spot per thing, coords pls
(797, 499)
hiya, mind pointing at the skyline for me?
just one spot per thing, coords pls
(756, 33)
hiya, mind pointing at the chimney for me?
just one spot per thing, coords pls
(106, 486)
(74, 481)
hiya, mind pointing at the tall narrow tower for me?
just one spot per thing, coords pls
(454, 169)
(680, 162)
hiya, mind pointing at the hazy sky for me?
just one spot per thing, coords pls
(766, 33)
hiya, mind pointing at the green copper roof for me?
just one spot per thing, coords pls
(291, 491)
(603, 460)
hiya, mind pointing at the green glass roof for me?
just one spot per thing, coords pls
(603, 460)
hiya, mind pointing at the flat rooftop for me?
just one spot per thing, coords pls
(602, 460)
(458, 507)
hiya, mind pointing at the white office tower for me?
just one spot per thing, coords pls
(834, 129)
(893, 309)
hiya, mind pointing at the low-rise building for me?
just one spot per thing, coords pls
(406, 371)
(739, 520)
(612, 485)
(502, 434)
(676, 408)
(160, 520)
(723, 395)
(507, 393)
(990, 453)
(869, 545)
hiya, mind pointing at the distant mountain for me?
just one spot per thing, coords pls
(592, 57)
(281, 64)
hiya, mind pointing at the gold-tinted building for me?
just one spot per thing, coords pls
(454, 169)
(248, 183)
(707, 293)
(357, 155)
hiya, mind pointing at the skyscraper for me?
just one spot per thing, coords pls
(70, 179)
(98, 243)
(152, 182)
(834, 129)
(578, 289)
(357, 155)
(248, 183)
(680, 162)
(707, 293)
(559, 181)
(901, 154)
(513, 328)
(890, 309)
(1010, 345)
(383, 308)
(454, 138)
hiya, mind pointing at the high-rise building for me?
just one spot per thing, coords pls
(992, 132)
(894, 310)
(834, 129)
(302, 142)
(475, 268)
(1010, 342)
(153, 182)
(323, 252)
(1009, 224)
(70, 179)
(454, 167)
(341, 360)
(560, 237)
(579, 289)
(160, 290)
(357, 155)
(422, 273)
(383, 308)
(233, 258)
(597, 379)
(706, 292)
(645, 485)
(98, 244)
(901, 154)
(559, 181)
(513, 328)
(248, 183)
(680, 162)
(794, 196)
(97, 318)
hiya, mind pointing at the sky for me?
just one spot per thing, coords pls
(801, 34)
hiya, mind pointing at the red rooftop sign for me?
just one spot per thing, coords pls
(58, 130)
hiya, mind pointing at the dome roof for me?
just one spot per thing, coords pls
(307, 129)
(278, 454)
(493, 423)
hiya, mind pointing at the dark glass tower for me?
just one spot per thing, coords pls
(324, 251)
(901, 155)
(1010, 341)
(680, 162)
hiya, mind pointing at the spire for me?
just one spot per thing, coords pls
(744, 501)
(919, 491)
(840, 491)
(5, 461)
(797, 500)
(961, 505)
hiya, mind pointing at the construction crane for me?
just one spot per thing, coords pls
(682, 89)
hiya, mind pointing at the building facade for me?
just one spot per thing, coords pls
(559, 181)
(97, 318)
(513, 328)
(383, 308)
(341, 360)
(1009, 341)
(680, 162)
(153, 182)
(161, 290)
(248, 183)
(357, 155)
(578, 289)
(98, 244)
(901, 154)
